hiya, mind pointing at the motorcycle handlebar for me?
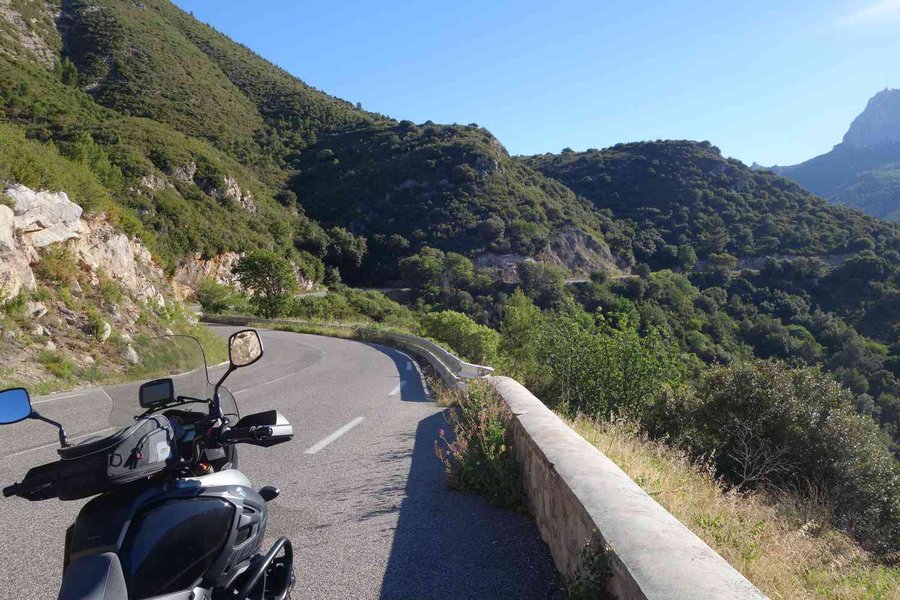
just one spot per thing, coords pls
(11, 490)
(245, 434)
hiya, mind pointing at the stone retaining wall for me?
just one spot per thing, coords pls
(578, 494)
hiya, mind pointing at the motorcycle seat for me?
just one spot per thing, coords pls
(95, 577)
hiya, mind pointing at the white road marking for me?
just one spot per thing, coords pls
(398, 388)
(59, 398)
(409, 366)
(264, 383)
(51, 444)
(334, 436)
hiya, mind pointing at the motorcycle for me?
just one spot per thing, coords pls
(173, 518)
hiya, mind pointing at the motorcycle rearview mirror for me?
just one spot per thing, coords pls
(244, 348)
(15, 406)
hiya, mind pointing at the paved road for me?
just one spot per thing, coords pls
(367, 511)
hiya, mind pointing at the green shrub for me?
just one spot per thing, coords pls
(95, 322)
(477, 455)
(603, 370)
(472, 341)
(57, 265)
(57, 364)
(109, 290)
(592, 573)
(769, 426)
(15, 307)
(215, 297)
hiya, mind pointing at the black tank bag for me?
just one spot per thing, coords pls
(95, 466)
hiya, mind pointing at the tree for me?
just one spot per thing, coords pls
(270, 279)
(542, 282)
(686, 257)
(214, 297)
(457, 270)
(423, 268)
(345, 251)
(518, 331)
(472, 341)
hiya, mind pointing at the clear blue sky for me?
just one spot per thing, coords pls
(768, 81)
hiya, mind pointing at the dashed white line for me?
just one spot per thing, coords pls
(334, 436)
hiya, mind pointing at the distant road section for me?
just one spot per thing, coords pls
(362, 494)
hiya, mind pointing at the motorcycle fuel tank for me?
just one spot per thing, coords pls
(172, 536)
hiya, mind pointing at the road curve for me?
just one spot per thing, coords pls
(361, 490)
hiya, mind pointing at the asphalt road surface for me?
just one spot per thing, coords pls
(362, 495)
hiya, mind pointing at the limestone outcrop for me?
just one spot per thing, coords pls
(41, 220)
(879, 124)
(192, 271)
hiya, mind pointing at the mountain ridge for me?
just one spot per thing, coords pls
(860, 171)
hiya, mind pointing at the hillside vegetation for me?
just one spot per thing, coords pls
(452, 187)
(676, 193)
(876, 192)
(193, 132)
(766, 269)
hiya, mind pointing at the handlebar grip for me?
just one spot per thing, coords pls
(11, 490)
(246, 434)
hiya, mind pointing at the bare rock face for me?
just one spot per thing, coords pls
(580, 253)
(506, 264)
(185, 173)
(35, 310)
(105, 332)
(234, 194)
(131, 355)
(45, 218)
(28, 39)
(15, 272)
(154, 182)
(572, 249)
(39, 220)
(878, 124)
(191, 272)
(103, 249)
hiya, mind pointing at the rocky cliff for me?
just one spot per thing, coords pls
(39, 222)
(862, 171)
(878, 124)
(75, 293)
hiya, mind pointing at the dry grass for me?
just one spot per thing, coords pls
(780, 545)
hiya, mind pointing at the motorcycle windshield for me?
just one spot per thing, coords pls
(178, 358)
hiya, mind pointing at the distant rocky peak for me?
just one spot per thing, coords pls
(879, 123)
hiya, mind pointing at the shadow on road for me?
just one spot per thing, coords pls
(411, 387)
(450, 545)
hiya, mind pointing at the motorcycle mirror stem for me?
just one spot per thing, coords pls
(216, 407)
(15, 406)
(63, 441)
